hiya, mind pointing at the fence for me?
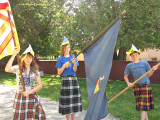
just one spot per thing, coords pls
(117, 70)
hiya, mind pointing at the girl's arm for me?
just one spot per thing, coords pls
(9, 67)
(74, 65)
(37, 88)
(127, 81)
(60, 70)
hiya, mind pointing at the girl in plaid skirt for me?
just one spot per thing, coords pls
(142, 89)
(70, 98)
(26, 104)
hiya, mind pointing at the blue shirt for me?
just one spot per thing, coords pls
(137, 70)
(69, 70)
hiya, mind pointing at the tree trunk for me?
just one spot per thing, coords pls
(122, 53)
(115, 57)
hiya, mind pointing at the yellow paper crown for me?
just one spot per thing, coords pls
(65, 41)
(132, 50)
(28, 50)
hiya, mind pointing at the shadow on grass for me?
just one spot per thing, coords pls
(122, 107)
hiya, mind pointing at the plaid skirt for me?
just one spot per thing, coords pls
(70, 99)
(27, 108)
(144, 97)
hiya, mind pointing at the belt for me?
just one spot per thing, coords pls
(142, 84)
(68, 76)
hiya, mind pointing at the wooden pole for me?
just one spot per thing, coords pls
(102, 33)
(133, 84)
(17, 54)
(97, 37)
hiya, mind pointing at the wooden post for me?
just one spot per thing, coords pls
(97, 37)
(17, 54)
(133, 84)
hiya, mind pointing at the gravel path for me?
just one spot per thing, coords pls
(50, 107)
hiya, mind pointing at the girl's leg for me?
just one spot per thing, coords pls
(73, 116)
(144, 115)
(68, 117)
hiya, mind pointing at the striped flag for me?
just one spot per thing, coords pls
(8, 34)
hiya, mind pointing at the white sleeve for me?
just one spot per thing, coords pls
(16, 67)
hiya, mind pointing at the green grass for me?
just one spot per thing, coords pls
(122, 107)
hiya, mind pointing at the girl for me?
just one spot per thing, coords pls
(142, 89)
(70, 99)
(26, 104)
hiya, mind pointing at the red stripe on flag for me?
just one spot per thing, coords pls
(3, 17)
(4, 5)
(5, 42)
(10, 12)
(12, 24)
(12, 21)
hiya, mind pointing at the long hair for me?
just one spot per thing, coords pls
(33, 66)
(62, 50)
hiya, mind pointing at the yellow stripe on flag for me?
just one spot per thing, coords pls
(5, 42)
(4, 55)
(9, 48)
(3, 28)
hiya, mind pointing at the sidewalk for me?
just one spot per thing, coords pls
(50, 107)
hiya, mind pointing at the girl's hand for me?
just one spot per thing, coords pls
(74, 61)
(67, 64)
(15, 52)
(130, 84)
(26, 93)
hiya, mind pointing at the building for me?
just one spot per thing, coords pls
(148, 55)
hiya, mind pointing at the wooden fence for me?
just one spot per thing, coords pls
(117, 71)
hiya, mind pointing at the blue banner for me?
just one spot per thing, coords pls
(98, 63)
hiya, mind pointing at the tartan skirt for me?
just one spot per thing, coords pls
(27, 108)
(144, 97)
(70, 99)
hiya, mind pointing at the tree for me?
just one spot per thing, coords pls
(33, 23)
(90, 18)
(139, 26)
(80, 21)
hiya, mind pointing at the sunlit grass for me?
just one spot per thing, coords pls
(8, 78)
(122, 107)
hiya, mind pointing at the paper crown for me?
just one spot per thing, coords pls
(28, 50)
(65, 41)
(132, 50)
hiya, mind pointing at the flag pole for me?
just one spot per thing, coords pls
(102, 32)
(96, 38)
(132, 83)
(17, 54)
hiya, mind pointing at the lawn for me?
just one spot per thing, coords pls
(122, 107)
